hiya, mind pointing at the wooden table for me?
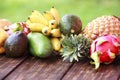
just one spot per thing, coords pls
(53, 68)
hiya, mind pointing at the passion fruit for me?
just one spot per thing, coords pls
(70, 23)
(16, 44)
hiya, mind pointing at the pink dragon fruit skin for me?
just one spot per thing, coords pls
(104, 49)
(19, 26)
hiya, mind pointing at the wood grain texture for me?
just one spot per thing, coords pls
(7, 65)
(86, 71)
(40, 69)
(54, 68)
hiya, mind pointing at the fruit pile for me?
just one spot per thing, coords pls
(47, 24)
(43, 33)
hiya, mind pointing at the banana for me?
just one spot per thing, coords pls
(46, 31)
(37, 17)
(55, 33)
(53, 24)
(60, 50)
(56, 44)
(55, 13)
(36, 12)
(28, 22)
(34, 19)
(37, 27)
(48, 15)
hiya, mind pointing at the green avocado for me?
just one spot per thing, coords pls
(70, 24)
(16, 44)
(39, 45)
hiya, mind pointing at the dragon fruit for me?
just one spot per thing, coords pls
(19, 26)
(104, 49)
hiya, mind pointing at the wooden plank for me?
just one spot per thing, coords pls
(7, 65)
(86, 71)
(40, 69)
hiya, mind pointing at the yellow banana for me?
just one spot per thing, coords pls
(37, 27)
(37, 17)
(34, 19)
(56, 44)
(36, 13)
(55, 13)
(60, 50)
(55, 33)
(28, 22)
(48, 15)
(46, 31)
(53, 24)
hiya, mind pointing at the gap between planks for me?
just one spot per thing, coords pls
(33, 68)
(67, 71)
(17, 62)
(15, 68)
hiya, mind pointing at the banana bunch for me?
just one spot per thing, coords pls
(48, 24)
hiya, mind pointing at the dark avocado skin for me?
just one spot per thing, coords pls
(16, 44)
(70, 21)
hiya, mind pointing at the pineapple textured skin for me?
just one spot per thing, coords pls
(102, 26)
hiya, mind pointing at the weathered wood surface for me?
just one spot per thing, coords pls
(86, 71)
(31, 68)
(7, 65)
(40, 69)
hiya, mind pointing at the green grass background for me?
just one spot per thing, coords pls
(87, 10)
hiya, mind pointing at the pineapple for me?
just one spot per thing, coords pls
(75, 48)
(102, 26)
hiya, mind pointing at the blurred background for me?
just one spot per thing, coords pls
(87, 10)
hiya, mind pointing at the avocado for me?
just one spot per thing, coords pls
(70, 23)
(16, 44)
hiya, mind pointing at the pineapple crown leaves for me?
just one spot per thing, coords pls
(75, 47)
